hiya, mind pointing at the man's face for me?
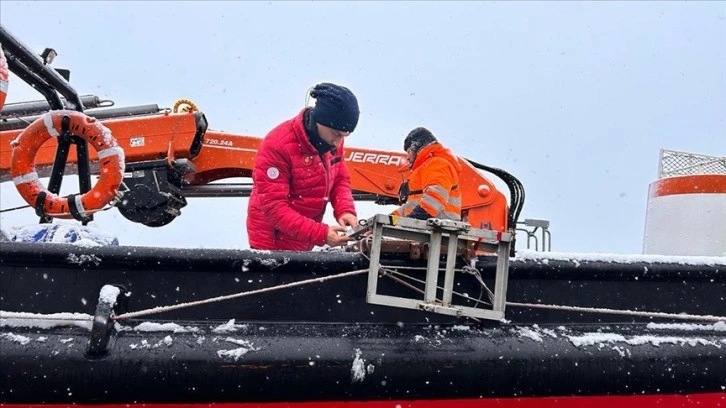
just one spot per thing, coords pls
(410, 156)
(331, 136)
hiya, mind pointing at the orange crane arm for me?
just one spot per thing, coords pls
(209, 156)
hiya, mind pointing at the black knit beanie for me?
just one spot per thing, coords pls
(417, 139)
(335, 107)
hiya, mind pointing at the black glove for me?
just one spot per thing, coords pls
(419, 213)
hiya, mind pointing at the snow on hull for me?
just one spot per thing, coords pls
(573, 257)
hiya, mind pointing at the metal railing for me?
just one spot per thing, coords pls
(674, 163)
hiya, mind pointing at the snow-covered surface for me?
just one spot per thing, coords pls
(45, 321)
(270, 263)
(164, 327)
(604, 339)
(239, 352)
(83, 259)
(109, 294)
(619, 341)
(576, 258)
(615, 341)
(718, 326)
(145, 344)
(91, 236)
(228, 327)
(358, 371)
(22, 340)
(62, 233)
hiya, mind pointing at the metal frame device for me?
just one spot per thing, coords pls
(437, 233)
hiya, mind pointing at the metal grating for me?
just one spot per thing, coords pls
(673, 163)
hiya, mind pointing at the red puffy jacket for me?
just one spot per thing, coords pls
(292, 187)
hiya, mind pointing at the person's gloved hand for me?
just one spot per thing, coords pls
(419, 213)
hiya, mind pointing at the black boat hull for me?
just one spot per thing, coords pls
(323, 344)
(202, 363)
(52, 278)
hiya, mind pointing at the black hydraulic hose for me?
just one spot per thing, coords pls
(516, 194)
(17, 109)
(99, 113)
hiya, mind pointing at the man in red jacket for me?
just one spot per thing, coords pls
(299, 168)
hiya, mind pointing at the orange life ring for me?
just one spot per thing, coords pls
(4, 77)
(22, 167)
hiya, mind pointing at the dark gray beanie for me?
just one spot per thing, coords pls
(335, 107)
(417, 139)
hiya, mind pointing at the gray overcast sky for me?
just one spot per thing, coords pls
(576, 99)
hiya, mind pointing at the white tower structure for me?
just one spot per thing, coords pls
(686, 213)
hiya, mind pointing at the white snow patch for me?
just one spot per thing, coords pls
(23, 340)
(164, 327)
(44, 321)
(166, 341)
(109, 294)
(229, 327)
(577, 258)
(239, 352)
(602, 339)
(83, 259)
(532, 334)
(550, 333)
(358, 369)
(718, 326)
(623, 352)
(87, 243)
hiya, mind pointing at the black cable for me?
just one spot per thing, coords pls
(516, 194)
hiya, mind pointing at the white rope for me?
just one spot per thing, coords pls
(682, 316)
(162, 309)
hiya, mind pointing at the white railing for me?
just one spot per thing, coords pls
(673, 163)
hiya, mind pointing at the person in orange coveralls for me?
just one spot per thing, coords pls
(432, 189)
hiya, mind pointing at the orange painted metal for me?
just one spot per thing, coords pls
(142, 138)
(43, 129)
(694, 184)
